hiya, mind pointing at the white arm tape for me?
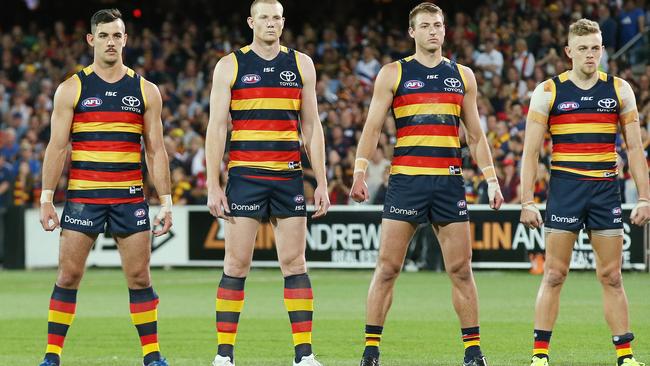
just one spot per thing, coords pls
(47, 195)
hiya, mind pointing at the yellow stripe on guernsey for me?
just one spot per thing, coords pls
(540, 351)
(53, 348)
(145, 317)
(438, 108)
(302, 338)
(424, 140)
(258, 135)
(399, 76)
(563, 129)
(79, 184)
(60, 317)
(106, 156)
(411, 170)
(587, 173)
(106, 127)
(270, 165)
(76, 98)
(265, 103)
(226, 338)
(229, 305)
(299, 304)
(151, 347)
(588, 157)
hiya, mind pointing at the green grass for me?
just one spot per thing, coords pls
(422, 328)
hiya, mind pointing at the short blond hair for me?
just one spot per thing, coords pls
(255, 2)
(424, 8)
(583, 27)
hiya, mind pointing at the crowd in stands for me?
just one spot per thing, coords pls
(511, 48)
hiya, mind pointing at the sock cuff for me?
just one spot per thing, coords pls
(622, 339)
(232, 283)
(471, 330)
(297, 281)
(64, 294)
(542, 335)
(374, 329)
(142, 295)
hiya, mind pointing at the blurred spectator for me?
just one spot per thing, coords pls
(608, 27)
(632, 22)
(375, 172)
(24, 186)
(524, 60)
(490, 60)
(509, 182)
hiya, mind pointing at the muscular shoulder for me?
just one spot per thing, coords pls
(541, 102)
(628, 111)
(68, 92)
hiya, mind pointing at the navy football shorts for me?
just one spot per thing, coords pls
(575, 204)
(122, 218)
(434, 199)
(262, 196)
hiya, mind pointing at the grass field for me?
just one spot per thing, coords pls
(422, 328)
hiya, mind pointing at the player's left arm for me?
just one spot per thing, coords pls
(312, 132)
(156, 156)
(476, 139)
(629, 120)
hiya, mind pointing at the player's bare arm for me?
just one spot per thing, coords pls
(629, 119)
(55, 153)
(477, 141)
(536, 126)
(312, 133)
(215, 142)
(156, 156)
(382, 98)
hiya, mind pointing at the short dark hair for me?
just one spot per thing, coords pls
(104, 16)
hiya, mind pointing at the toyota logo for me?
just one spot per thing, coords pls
(287, 76)
(452, 82)
(131, 101)
(607, 103)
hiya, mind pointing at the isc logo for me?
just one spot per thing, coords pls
(587, 98)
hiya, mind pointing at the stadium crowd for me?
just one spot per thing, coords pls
(511, 48)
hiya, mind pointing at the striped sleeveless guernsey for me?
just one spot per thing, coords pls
(106, 131)
(426, 105)
(265, 110)
(583, 126)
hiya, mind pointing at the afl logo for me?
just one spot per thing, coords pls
(139, 213)
(287, 76)
(461, 204)
(91, 102)
(568, 106)
(131, 101)
(299, 199)
(452, 82)
(607, 103)
(250, 78)
(616, 211)
(414, 84)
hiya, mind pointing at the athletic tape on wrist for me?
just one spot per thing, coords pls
(361, 165)
(47, 196)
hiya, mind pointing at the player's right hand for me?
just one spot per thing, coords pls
(49, 218)
(359, 191)
(218, 203)
(530, 216)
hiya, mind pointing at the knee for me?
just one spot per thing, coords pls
(611, 278)
(555, 277)
(293, 265)
(69, 278)
(236, 267)
(460, 272)
(138, 278)
(387, 271)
